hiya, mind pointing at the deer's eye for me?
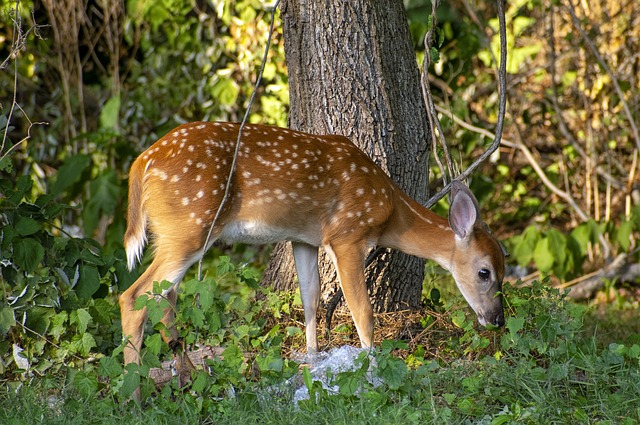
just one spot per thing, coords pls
(484, 274)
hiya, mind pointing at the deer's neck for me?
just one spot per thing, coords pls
(416, 230)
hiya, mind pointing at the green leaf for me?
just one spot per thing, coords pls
(50, 208)
(583, 235)
(225, 91)
(558, 247)
(58, 325)
(141, 302)
(39, 319)
(388, 345)
(86, 383)
(82, 344)
(348, 384)
(89, 255)
(105, 195)
(110, 112)
(270, 362)
(131, 380)
(233, 357)
(515, 325)
(81, 318)
(88, 283)
(441, 36)
(22, 186)
(634, 351)
(200, 383)
(293, 330)
(110, 367)
(557, 244)
(242, 331)
(467, 405)
(6, 165)
(87, 342)
(523, 251)
(70, 173)
(7, 319)
(194, 315)
(393, 370)
(543, 256)
(28, 253)
(434, 296)
(156, 309)
(307, 378)
(623, 235)
(224, 265)
(449, 398)
(206, 297)
(459, 319)
(26, 226)
(153, 343)
(434, 54)
(501, 419)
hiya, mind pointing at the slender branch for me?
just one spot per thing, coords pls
(18, 43)
(529, 157)
(428, 101)
(565, 195)
(24, 139)
(621, 268)
(16, 39)
(227, 189)
(48, 341)
(502, 83)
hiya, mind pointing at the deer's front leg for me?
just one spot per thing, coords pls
(306, 260)
(348, 259)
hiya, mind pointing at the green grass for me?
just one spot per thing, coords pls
(491, 392)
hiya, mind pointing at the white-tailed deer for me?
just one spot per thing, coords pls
(311, 190)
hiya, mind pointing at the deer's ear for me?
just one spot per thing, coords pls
(463, 212)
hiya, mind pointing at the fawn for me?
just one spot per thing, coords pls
(311, 190)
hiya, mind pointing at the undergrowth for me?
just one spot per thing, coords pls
(541, 368)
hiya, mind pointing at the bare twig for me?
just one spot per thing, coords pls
(566, 196)
(24, 139)
(18, 43)
(19, 37)
(227, 190)
(502, 83)
(450, 171)
(529, 157)
(50, 342)
(620, 268)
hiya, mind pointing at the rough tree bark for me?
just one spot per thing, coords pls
(353, 71)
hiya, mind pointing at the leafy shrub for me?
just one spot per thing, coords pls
(56, 305)
(563, 254)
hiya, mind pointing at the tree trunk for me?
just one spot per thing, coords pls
(352, 71)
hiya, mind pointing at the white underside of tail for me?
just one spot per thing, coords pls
(135, 246)
(135, 243)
